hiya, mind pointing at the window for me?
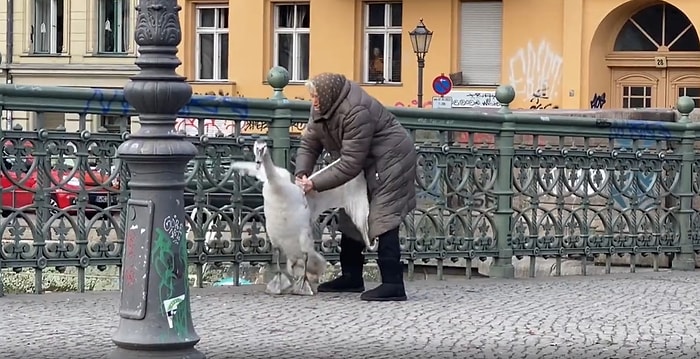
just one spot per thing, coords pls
(481, 27)
(383, 42)
(115, 124)
(636, 97)
(212, 43)
(292, 39)
(660, 27)
(47, 30)
(113, 26)
(692, 92)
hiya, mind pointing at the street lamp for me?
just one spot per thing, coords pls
(155, 320)
(420, 40)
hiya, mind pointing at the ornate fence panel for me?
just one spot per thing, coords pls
(606, 190)
(61, 201)
(493, 185)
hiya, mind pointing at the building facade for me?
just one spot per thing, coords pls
(67, 43)
(572, 54)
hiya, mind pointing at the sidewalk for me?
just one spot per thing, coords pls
(638, 315)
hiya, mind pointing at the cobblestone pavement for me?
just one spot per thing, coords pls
(642, 315)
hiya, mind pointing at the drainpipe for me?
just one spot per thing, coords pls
(9, 34)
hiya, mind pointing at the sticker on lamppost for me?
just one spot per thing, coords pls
(171, 308)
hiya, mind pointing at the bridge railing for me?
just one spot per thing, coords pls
(492, 185)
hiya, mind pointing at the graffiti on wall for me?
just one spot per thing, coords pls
(167, 251)
(112, 102)
(535, 74)
(413, 103)
(631, 186)
(643, 130)
(218, 127)
(211, 127)
(598, 101)
(539, 100)
(219, 92)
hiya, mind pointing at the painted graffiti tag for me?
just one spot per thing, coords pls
(539, 100)
(624, 132)
(174, 228)
(108, 101)
(598, 101)
(625, 186)
(414, 103)
(638, 129)
(164, 260)
(536, 67)
(211, 127)
(129, 276)
(215, 128)
(129, 255)
(236, 107)
(219, 92)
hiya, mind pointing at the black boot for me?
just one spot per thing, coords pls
(351, 262)
(391, 269)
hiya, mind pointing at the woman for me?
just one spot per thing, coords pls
(353, 126)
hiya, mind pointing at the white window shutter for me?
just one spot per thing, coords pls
(481, 38)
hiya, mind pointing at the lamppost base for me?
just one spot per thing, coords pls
(188, 353)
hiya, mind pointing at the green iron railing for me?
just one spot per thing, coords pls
(496, 185)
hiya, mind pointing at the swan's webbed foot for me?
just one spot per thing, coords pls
(302, 285)
(279, 283)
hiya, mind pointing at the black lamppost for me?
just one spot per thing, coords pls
(155, 320)
(420, 40)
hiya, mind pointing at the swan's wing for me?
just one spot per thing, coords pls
(323, 201)
(357, 205)
(250, 169)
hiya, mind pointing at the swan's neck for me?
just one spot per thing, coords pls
(269, 167)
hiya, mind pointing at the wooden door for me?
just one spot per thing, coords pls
(683, 82)
(639, 88)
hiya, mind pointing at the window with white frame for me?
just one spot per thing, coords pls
(113, 26)
(115, 124)
(481, 29)
(382, 30)
(292, 39)
(47, 28)
(212, 43)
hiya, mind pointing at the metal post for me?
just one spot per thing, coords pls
(2, 290)
(686, 259)
(502, 265)
(155, 319)
(421, 66)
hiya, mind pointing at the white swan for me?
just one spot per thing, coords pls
(289, 215)
(210, 234)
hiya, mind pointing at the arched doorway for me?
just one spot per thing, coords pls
(655, 59)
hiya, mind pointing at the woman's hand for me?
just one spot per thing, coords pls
(306, 184)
